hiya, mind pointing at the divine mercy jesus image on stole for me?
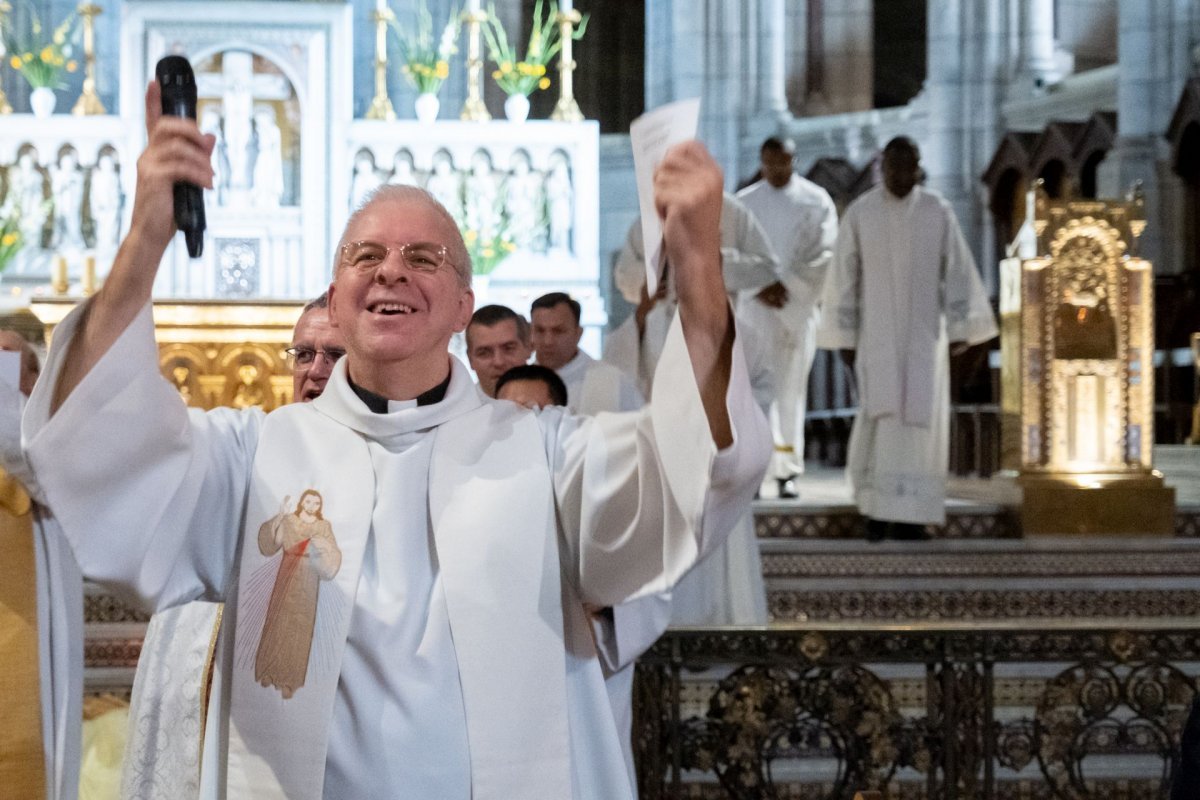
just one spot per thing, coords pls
(310, 555)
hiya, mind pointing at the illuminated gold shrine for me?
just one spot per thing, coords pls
(215, 354)
(1087, 382)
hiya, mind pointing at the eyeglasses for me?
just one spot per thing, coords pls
(303, 357)
(417, 256)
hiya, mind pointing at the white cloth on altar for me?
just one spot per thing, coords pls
(595, 386)
(800, 221)
(637, 499)
(903, 286)
(162, 749)
(59, 613)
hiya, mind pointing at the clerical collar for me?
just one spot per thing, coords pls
(378, 404)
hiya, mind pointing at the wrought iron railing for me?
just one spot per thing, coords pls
(1070, 711)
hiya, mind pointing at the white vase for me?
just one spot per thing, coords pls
(426, 106)
(516, 108)
(42, 101)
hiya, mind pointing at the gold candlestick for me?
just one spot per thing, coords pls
(89, 102)
(567, 110)
(59, 283)
(5, 108)
(473, 109)
(381, 106)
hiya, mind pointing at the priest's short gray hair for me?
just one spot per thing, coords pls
(456, 249)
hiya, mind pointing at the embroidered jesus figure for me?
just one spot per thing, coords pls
(310, 555)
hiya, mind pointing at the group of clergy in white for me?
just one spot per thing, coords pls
(446, 558)
(460, 650)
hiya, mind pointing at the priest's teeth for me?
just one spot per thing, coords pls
(391, 308)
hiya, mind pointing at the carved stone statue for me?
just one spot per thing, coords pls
(237, 105)
(404, 170)
(481, 195)
(364, 180)
(524, 202)
(268, 164)
(66, 181)
(560, 198)
(26, 193)
(104, 198)
(210, 122)
(444, 184)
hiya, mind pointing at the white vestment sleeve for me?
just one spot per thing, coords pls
(748, 262)
(842, 297)
(149, 495)
(968, 312)
(643, 496)
(810, 262)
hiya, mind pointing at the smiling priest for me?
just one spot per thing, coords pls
(437, 550)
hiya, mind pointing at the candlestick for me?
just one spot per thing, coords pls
(567, 110)
(473, 109)
(89, 102)
(381, 106)
(88, 282)
(5, 108)
(58, 278)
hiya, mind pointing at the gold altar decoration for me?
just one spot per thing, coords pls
(381, 104)
(89, 102)
(5, 8)
(1087, 387)
(567, 110)
(215, 354)
(473, 109)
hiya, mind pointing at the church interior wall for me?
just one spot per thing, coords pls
(1087, 29)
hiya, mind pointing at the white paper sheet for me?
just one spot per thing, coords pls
(651, 135)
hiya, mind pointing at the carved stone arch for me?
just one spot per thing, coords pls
(1095, 140)
(1184, 136)
(1053, 158)
(1008, 177)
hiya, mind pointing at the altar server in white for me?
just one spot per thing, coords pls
(170, 687)
(800, 221)
(903, 293)
(41, 617)
(406, 601)
(592, 386)
(727, 587)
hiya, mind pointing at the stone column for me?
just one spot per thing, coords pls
(1037, 42)
(772, 65)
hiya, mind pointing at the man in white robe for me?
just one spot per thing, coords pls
(460, 539)
(497, 341)
(727, 588)
(43, 762)
(592, 386)
(800, 221)
(903, 294)
(170, 687)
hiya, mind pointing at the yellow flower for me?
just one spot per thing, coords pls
(469, 236)
(506, 67)
(72, 66)
(509, 247)
(9, 239)
(60, 36)
(15, 62)
(544, 83)
(496, 74)
(487, 252)
(47, 54)
(27, 57)
(443, 69)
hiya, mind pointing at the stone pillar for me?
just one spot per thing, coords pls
(1154, 38)
(772, 62)
(942, 151)
(1038, 62)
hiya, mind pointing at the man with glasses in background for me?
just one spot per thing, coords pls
(451, 653)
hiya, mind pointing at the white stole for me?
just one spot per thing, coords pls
(491, 507)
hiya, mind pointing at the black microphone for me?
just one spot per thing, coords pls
(174, 75)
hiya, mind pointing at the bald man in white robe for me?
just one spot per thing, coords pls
(904, 292)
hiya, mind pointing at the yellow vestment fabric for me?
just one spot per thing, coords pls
(22, 760)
